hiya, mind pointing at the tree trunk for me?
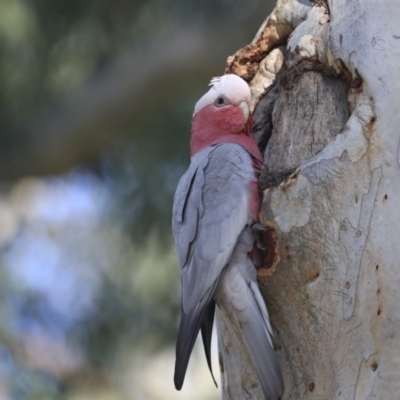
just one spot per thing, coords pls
(325, 78)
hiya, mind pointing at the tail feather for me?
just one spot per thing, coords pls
(188, 331)
(206, 333)
(240, 298)
(258, 340)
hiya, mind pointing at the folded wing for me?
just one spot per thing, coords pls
(211, 208)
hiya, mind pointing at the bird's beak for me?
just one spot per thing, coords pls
(245, 109)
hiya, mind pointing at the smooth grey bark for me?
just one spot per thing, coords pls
(325, 79)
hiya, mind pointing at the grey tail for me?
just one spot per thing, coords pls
(257, 338)
(206, 334)
(188, 331)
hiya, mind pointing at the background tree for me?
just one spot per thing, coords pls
(325, 79)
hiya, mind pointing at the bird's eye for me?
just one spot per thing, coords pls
(221, 101)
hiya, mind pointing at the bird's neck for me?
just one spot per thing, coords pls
(211, 126)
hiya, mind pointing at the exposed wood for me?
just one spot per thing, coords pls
(329, 125)
(274, 32)
(309, 110)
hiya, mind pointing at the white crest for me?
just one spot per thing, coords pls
(234, 88)
(214, 80)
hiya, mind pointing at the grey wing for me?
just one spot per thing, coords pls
(210, 210)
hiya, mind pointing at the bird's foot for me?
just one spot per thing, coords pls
(258, 231)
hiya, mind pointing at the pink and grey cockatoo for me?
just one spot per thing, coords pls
(215, 205)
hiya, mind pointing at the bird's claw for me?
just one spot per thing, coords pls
(258, 228)
(258, 231)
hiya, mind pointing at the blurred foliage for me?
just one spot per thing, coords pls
(52, 47)
(89, 281)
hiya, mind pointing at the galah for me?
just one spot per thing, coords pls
(216, 203)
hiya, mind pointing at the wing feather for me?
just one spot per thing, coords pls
(211, 208)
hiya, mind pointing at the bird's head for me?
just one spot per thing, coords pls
(222, 114)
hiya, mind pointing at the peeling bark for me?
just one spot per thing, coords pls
(325, 83)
